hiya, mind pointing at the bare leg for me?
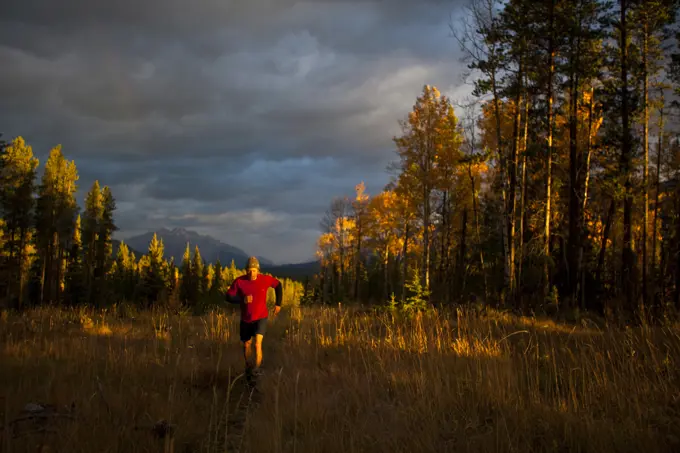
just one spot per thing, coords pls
(247, 352)
(258, 351)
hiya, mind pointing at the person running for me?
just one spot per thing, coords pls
(250, 291)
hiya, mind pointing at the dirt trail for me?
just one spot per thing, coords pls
(243, 402)
(246, 397)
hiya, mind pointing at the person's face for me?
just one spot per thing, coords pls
(252, 274)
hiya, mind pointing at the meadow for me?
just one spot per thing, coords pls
(337, 380)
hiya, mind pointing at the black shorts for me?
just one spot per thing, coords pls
(250, 329)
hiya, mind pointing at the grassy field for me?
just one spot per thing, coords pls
(337, 380)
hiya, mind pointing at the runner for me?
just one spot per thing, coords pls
(250, 291)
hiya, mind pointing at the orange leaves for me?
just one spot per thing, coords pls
(332, 245)
(384, 219)
(361, 192)
(325, 246)
(429, 148)
(479, 168)
(386, 222)
(595, 229)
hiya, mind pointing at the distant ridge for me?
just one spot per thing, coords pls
(175, 242)
(115, 245)
(298, 271)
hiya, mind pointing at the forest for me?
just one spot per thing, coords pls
(553, 189)
(55, 253)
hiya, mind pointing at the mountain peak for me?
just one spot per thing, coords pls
(175, 242)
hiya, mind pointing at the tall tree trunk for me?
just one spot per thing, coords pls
(357, 270)
(605, 238)
(341, 276)
(60, 277)
(475, 211)
(520, 260)
(574, 190)
(659, 152)
(584, 229)
(449, 256)
(463, 252)
(10, 264)
(443, 262)
(427, 207)
(54, 261)
(405, 264)
(386, 275)
(22, 261)
(626, 164)
(645, 174)
(548, 186)
(324, 285)
(504, 188)
(677, 249)
(663, 271)
(43, 273)
(514, 164)
(426, 245)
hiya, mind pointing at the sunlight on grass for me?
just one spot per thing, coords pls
(338, 380)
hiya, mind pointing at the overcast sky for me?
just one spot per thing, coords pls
(237, 119)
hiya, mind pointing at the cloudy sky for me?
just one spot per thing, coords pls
(239, 119)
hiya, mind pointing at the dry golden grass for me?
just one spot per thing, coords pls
(339, 380)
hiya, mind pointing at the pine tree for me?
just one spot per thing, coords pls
(92, 218)
(75, 282)
(650, 19)
(483, 48)
(123, 273)
(17, 176)
(186, 292)
(620, 109)
(106, 228)
(208, 277)
(154, 273)
(232, 273)
(581, 66)
(56, 211)
(197, 266)
(217, 288)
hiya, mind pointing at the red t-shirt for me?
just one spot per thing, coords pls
(243, 286)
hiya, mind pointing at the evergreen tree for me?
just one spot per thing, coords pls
(231, 273)
(56, 211)
(187, 295)
(123, 273)
(581, 66)
(92, 218)
(197, 266)
(217, 288)
(105, 230)
(208, 277)
(75, 282)
(650, 20)
(17, 176)
(154, 273)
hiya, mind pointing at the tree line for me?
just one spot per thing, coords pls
(52, 252)
(554, 188)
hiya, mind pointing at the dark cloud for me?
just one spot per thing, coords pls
(239, 119)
